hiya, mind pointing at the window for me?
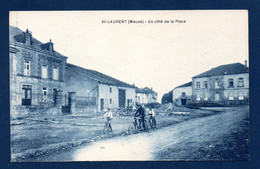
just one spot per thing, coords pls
(129, 102)
(28, 40)
(44, 71)
(205, 84)
(110, 101)
(206, 96)
(240, 82)
(138, 99)
(216, 84)
(198, 85)
(55, 73)
(230, 96)
(217, 96)
(240, 96)
(50, 47)
(44, 94)
(183, 94)
(27, 68)
(110, 89)
(198, 97)
(230, 83)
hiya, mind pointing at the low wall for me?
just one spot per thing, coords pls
(85, 110)
(28, 111)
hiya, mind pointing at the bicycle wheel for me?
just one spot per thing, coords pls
(150, 123)
(154, 124)
(105, 127)
(131, 128)
(147, 126)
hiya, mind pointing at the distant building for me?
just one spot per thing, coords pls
(145, 95)
(94, 91)
(36, 73)
(225, 85)
(182, 94)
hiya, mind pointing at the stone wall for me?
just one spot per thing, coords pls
(31, 111)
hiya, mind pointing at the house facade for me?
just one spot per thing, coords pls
(94, 91)
(36, 74)
(224, 85)
(182, 94)
(145, 95)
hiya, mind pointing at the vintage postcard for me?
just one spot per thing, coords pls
(129, 85)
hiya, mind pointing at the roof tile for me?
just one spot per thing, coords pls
(235, 68)
(100, 77)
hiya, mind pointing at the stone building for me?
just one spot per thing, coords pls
(145, 95)
(94, 91)
(36, 74)
(182, 94)
(223, 85)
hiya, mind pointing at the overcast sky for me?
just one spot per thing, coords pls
(157, 55)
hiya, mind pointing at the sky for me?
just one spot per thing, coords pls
(150, 54)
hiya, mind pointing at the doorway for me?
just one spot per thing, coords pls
(55, 94)
(183, 102)
(27, 95)
(121, 98)
(101, 104)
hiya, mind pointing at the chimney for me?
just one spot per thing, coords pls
(50, 46)
(245, 63)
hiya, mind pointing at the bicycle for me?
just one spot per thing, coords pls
(107, 127)
(137, 125)
(152, 122)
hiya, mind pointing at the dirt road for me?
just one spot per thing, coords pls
(223, 136)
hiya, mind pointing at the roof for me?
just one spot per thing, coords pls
(99, 77)
(16, 33)
(184, 85)
(235, 68)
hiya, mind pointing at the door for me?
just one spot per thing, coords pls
(183, 101)
(55, 94)
(27, 95)
(101, 104)
(121, 98)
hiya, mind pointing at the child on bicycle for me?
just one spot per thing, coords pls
(109, 116)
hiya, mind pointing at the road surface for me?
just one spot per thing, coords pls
(223, 136)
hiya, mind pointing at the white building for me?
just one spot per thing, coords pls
(145, 95)
(224, 85)
(182, 94)
(94, 91)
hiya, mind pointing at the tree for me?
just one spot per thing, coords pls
(167, 97)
